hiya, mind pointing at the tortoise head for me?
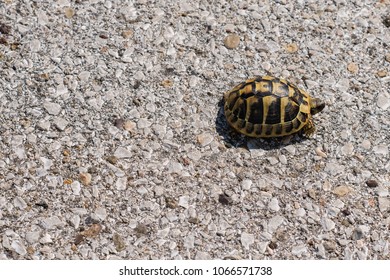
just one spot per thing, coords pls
(316, 105)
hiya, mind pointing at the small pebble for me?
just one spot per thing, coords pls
(183, 201)
(143, 123)
(119, 242)
(19, 248)
(347, 149)
(85, 178)
(52, 108)
(20, 203)
(327, 224)
(69, 12)
(381, 74)
(384, 204)
(129, 125)
(204, 139)
(342, 191)
(273, 205)
(353, 68)
(246, 184)
(232, 41)
(122, 152)
(299, 250)
(383, 100)
(274, 223)
(366, 144)
(247, 240)
(381, 150)
(171, 202)
(372, 183)
(292, 48)
(52, 222)
(189, 241)
(387, 57)
(320, 152)
(225, 199)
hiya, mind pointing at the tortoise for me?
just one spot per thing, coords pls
(266, 106)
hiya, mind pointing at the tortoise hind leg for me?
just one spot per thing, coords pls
(309, 128)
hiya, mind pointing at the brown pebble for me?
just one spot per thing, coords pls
(112, 159)
(68, 181)
(194, 220)
(232, 41)
(79, 238)
(225, 199)
(387, 57)
(273, 245)
(171, 202)
(119, 123)
(85, 178)
(291, 48)
(118, 242)
(342, 190)
(69, 12)
(129, 125)
(371, 183)
(311, 193)
(353, 68)
(3, 41)
(167, 83)
(381, 73)
(4, 29)
(140, 230)
(127, 33)
(92, 231)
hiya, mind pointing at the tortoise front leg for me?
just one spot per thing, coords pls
(309, 128)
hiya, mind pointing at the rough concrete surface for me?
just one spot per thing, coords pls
(113, 142)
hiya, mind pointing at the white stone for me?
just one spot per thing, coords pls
(175, 167)
(60, 123)
(189, 241)
(183, 201)
(143, 123)
(273, 205)
(46, 239)
(383, 100)
(247, 239)
(32, 237)
(384, 204)
(76, 187)
(299, 250)
(122, 152)
(19, 247)
(52, 108)
(121, 183)
(101, 213)
(246, 184)
(20, 203)
(274, 223)
(52, 222)
(327, 224)
(381, 149)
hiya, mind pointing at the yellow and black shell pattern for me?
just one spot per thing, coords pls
(270, 107)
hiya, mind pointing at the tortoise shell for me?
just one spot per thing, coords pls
(270, 107)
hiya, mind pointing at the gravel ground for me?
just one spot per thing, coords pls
(113, 142)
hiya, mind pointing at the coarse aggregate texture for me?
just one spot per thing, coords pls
(113, 142)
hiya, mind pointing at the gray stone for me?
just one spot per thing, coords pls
(52, 222)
